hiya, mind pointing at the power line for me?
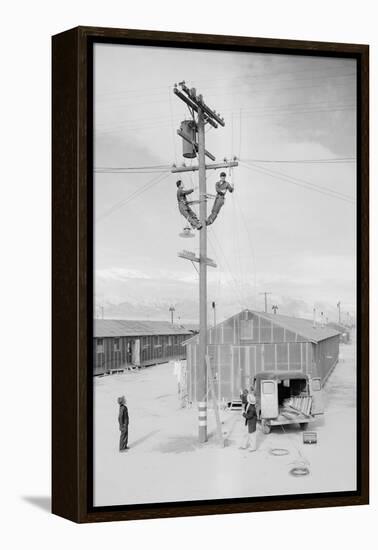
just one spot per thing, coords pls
(236, 239)
(236, 286)
(237, 88)
(301, 183)
(128, 171)
(162, 168)
(235, 199)
(265, 107)
(341, 160)
(255, 115)
(167, 166)
(133, 196)
(312, 75)
(172, 127)
(284, 108)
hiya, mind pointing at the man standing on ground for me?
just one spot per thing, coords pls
(123, 420)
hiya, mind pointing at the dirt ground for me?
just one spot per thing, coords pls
(165, 462)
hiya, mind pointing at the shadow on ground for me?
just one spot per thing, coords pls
(43, 503)
(182, 444)
(163, 396)
(144, 438)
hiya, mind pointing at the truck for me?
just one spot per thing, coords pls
(287, 398)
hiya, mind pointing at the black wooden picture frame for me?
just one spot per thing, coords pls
(72, 309)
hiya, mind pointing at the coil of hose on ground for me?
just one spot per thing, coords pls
(300, 468)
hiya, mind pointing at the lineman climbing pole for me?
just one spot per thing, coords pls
(196, 141)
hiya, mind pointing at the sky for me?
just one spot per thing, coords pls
(290, 226)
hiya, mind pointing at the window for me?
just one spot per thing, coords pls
(116, 344)
(268, 388)
(100, 345)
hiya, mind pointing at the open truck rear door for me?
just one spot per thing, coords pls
(316, 393)
(269, 399)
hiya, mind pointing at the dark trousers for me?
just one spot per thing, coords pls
(188, 213)
(218, 203)
(123, 439)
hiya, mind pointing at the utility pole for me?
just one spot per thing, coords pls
(339, 308)
(202, 403)
(205, 115)
(266, 300)
(172, 310)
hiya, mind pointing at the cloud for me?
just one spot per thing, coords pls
(120, 274)
(272, 235)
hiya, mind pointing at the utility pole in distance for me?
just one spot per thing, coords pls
(205, 115)
(172, 310)
(266, 300)
(339, 308)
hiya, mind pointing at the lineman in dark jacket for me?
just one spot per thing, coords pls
(123, 419)
(184, 207)
(221, 187)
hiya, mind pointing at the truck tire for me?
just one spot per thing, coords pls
(303, 426)
(265, 427)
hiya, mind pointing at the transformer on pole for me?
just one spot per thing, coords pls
(188, 133)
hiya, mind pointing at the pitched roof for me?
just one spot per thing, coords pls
(338, 327)
(104, 328)
(192, 327)
(304, 327)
